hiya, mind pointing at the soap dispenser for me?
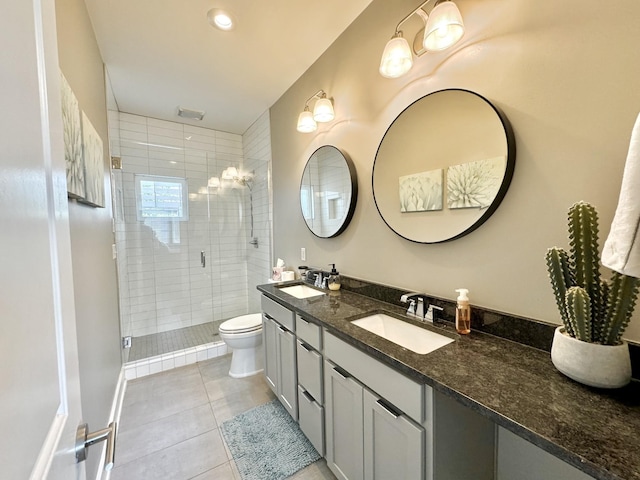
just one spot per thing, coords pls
(463, 312)
(334, 278)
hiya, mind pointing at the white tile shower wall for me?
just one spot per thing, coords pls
(257, 151)
(163, 285)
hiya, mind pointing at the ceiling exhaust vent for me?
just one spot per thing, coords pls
(190, 114)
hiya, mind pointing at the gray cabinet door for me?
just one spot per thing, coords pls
(287, 371)
(270, 345)
(343, 424)
(393, 444)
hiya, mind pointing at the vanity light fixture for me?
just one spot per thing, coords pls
(213, 182)
(322, 112)
(221, 19)
(443, 28)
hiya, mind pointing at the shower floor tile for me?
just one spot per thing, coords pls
(173, 340)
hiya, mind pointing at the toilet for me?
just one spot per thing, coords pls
(244, 336)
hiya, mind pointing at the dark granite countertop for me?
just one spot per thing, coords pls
(514, 385)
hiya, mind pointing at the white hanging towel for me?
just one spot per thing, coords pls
(621, 251)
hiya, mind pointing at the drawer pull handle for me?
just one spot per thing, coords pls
(282, 329)
(388, 409)
(307, 396)
(303, 320)
(306, 347)
(341, 373)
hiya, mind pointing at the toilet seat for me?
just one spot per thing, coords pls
(242, 324)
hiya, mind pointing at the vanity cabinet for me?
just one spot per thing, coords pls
(368, 436)
(269, 345)
(279, 343)
(310, 382)
(518, 458)
(392, 442)
(344, 424)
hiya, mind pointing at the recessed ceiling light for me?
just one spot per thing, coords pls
(221, 19)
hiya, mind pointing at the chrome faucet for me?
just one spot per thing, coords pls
(417, 302)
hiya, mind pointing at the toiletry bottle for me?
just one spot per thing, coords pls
(463, 312)
(334, 278)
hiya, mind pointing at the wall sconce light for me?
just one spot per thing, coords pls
(221, 19)
(214, 182)
(322, 112)
(443, 28)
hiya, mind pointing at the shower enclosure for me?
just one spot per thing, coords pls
(192, 227)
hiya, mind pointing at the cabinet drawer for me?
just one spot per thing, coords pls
(311, 419)
(310, 371)
(403, 392)
(280, 314)
(309, 332)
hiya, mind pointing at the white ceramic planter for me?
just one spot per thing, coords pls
(602, 366)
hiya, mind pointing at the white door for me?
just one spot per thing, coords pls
(39, 385)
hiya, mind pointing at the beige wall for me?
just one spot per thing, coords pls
(565, 74)
(94, 274)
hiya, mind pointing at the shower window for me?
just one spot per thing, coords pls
(161, 197)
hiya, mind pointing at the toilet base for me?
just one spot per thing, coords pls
(246, 362)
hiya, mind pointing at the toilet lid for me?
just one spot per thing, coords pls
(242, 324)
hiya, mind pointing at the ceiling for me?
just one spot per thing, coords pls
(161, 54)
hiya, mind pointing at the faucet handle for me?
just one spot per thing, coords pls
(430, 315)
(420, 308)
(412, 307)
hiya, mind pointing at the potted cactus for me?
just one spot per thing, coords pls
(588, 347)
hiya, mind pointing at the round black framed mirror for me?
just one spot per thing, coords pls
(328, 192)
(443, 166)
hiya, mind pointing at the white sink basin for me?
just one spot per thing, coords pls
(301, 291)
(416, 339)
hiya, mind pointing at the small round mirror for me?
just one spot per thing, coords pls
(443, 166)
(328, 192)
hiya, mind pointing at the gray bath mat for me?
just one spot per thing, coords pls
(267, 444)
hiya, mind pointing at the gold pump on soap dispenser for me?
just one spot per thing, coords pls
(334, 278)
(463, 312)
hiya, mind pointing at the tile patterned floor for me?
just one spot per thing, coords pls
(169, 424)
(173, 340)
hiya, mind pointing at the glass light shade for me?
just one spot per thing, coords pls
(306, 123)
(444, 27)
(323, 110)
(220, 19)
(230, 173)
(214, 182)
(396, 58)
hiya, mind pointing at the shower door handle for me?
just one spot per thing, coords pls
(203, 259)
